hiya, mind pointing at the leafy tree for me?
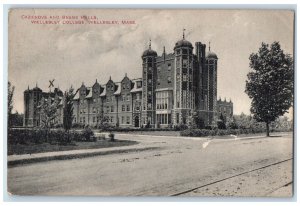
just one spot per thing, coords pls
(68, 109)
(270, 83)
(221, 122)
(48, 114)
(102, 120)
(232, 124)
(10, 94)
(16, 119)
(195, 121)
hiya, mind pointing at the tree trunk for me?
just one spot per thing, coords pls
(268, 129)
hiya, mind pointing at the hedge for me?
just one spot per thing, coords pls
(220, 132)
(37, 136)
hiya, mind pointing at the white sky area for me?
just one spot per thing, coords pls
(72, 54)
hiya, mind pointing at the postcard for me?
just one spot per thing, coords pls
(150, 102)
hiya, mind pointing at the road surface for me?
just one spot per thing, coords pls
(180, 167)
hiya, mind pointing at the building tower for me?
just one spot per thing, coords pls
(149, 84)
(184, 91)
(211, 66)
(31, 112)
(201, 92)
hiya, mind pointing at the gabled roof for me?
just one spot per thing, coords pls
(103, 94)
(89, 92)
(118, 91)
(135, 89)
(76, 95)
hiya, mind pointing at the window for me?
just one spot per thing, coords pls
(83, 119)
(94, 100)
(137, 108)
(139, 84)
(158, 69)
(169, 79)
(128, 97)
(128, 107)
(123, 120)
(137, 96)
(184, 85)
(127, 120)
(149, 81)
(112, 109)
(123, 85)
(94, 119)
(123, 98)
(158, 81)
(107, 99)
(128, 86)
(169, 67)
(149, 106)
(123, 108)
(75, 119)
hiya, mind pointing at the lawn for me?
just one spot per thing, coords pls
(19, 149)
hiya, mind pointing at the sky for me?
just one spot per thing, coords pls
(73, 54)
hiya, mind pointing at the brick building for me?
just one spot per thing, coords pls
(225, 108)
(32, 99)
(172, 86)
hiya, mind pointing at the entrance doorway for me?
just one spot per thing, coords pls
(136, 121)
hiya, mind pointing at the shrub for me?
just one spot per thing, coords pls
(219, 132)
(88, 134)
(111, 137)
(58, 126)
(180, 127)
(78, 125)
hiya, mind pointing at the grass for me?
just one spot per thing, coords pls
(19, 149)
(154, 133)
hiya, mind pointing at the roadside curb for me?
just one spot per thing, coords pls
(12, 163)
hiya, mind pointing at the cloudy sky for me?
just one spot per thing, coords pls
(72, 54)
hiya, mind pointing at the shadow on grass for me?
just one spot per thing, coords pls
(31, 148)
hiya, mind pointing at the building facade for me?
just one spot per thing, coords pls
(225, 108)
(32, 101)
(172, 87)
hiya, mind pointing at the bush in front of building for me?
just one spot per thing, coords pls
(88, 134)
(38, 136)
(78, 125)
(220, 132)
(111, 137)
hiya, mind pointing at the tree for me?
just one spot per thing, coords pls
(270, 83)
(195, 121)
(48, 114)
(16, 119)
(232, 124)
(68, 109)
(221, 122)
(102, 120)
(10, 94)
